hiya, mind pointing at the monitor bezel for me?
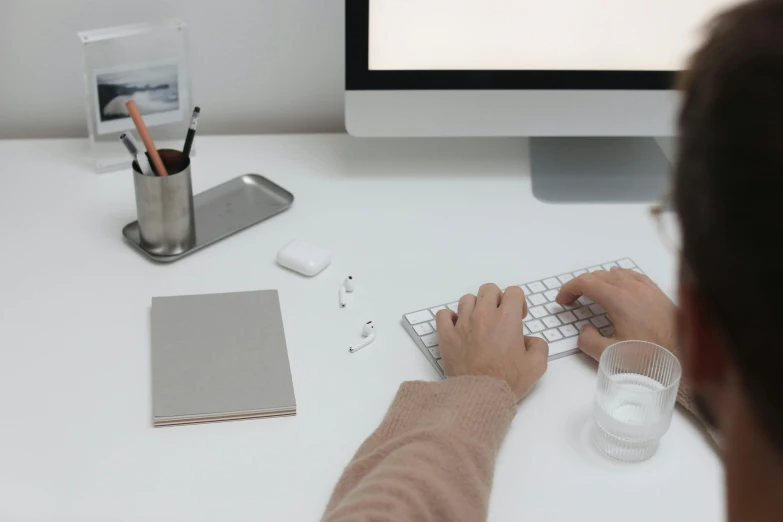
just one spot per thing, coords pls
(359, 77)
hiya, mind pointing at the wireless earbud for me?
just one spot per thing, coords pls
(369, 336)
(349, 285)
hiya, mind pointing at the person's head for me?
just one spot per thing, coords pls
(729, 197)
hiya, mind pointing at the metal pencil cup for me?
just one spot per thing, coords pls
(164, 206)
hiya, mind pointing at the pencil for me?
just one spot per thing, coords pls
(191, 134)
(146, 138)
(130, 145)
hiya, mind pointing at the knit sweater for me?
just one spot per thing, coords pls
(433, 456)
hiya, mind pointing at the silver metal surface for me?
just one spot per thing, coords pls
(225, 210)
(164, 207)
(513, 113)
(598, 170)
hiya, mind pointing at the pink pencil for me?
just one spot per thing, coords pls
(146, 138)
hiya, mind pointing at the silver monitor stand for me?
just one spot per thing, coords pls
(593, 170)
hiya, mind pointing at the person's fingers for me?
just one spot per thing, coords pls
(538, 351)
(592, 342)
(513, 301)
(489, 296)
(466, 304)
(537, 345)
(590, 285)
(445, 320)
(639, 277)
(625, 275)
(613, 277)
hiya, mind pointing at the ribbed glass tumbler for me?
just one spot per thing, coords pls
(634, 400)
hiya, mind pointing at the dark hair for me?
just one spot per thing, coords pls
(729, 193)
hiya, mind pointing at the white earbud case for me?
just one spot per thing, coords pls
(303, 257)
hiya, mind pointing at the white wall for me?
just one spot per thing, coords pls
(258, 66)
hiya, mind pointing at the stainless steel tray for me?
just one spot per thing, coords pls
(224, 210)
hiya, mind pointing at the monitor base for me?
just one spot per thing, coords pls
(598, 170)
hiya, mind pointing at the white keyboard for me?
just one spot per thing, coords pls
(556, 324)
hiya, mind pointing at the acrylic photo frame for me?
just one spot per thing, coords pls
(148, 63)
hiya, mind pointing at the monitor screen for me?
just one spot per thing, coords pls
(536, 35)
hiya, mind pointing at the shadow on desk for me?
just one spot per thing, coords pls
(430, 157)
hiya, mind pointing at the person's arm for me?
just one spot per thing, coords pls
(433, 456)
(639, 311)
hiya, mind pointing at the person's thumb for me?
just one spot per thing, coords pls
(592, 342)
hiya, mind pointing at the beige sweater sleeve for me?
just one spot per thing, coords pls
(433, 456)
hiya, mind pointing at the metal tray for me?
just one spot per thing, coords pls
(225, 210)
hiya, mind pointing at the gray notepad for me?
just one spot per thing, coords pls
(219, 357)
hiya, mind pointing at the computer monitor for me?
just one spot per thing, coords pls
(591, 82)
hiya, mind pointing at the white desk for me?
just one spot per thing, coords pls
(415, 222)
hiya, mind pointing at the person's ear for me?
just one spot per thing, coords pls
(701, 348)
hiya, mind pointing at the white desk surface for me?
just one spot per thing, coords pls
(416, 223)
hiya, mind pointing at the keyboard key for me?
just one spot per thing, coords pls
(525, 331)
(453, 306)
(423, 329)
(529, 304)
(581, 324)
(430, 340)
(565, 278)
(554, 308)
(600, 321)
(437, 309)
(583, 313)
(525, 289)
(535, 326)
(538, 312)
(568, 330)
(597, 309)
(579, 272)
(536, 287)
(435, 351)
(551, 295)
(419, 317)
(594, 269)
(572, 306)
(608, 331)
(584, 300)
(626, 263)
(552, 335)
(551, 321)
(440, 363)
(552, 282)
(609, 266)
(434, 326)
(539, 335)
(567, 317)
(538, 299)
(636, 269)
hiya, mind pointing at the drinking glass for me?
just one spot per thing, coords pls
(634, 399)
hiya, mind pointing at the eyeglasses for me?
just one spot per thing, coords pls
(668, 223)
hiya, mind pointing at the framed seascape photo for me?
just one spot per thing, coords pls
(146, 63)
(153, 86)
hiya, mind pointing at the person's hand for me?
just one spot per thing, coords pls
(485, 337)
(638, 308)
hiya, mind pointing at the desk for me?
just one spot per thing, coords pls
(415, 222)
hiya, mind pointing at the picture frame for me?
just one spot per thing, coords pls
(147, 63)
(153, 86)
